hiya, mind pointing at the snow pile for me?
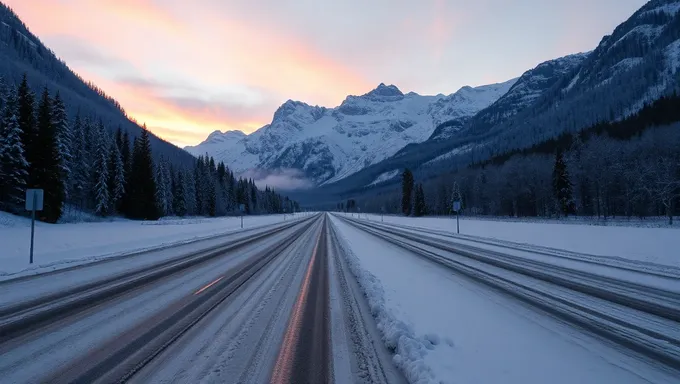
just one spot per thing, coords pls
(409, 350)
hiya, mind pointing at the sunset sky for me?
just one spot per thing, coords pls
(187, 68)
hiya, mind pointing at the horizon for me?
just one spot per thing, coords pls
(237, 83)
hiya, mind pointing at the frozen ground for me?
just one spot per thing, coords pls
(446, 329)
(656, 245)
(59, 245)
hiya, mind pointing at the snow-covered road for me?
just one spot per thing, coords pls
(256, 306)
(323, 298)
(451, 311)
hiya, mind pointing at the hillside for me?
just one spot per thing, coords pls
(22, 52)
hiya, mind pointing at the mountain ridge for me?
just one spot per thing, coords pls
(327, 144)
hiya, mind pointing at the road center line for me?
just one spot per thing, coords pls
(208, 286)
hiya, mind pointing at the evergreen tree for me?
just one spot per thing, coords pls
(101, 188)
(80, 178)
(179, 194)
(142, 182)
(46, 167)
(161, 192)
(126, 156)
(13, 164)
(406, 191)
(102, 196)
(116, 176)
(64, 142)
(562, 187)
(190, 193)
(26, 116)
(419, 206)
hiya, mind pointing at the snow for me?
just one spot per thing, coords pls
(384, 177)
(333, 143)
(63, 245)
(446, 329)
(447, 155)
(655, 245)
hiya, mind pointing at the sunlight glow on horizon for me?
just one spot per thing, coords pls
(188, 69)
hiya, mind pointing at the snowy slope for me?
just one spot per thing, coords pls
(217, 141)
(328, 144)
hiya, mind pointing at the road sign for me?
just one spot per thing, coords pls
(34, 202)
(34, 199)
(242, 207)
(456, 208)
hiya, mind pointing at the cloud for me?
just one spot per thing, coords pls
(283, 179)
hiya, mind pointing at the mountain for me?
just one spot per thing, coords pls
(21, 53)
(634, 66)
(444, 141)
(328, 144)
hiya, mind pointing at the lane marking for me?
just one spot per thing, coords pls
(208, 286)
(283, 367)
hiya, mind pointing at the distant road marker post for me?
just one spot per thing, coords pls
(456, 207)
(242, 208)
(34, 202)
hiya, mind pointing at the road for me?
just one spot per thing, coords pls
(280, 304)
(255, 306)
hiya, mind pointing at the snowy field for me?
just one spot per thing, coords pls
(444, 329)
(655, 245)
(60, 245)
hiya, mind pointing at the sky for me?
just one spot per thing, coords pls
(188, 68)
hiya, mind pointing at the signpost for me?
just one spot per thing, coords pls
(34, 202)
(242, 208)
(456, 207)
(382, 214)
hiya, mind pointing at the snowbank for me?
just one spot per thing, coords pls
(409, 350)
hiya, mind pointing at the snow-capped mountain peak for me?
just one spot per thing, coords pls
(383, 90)
(328, 144)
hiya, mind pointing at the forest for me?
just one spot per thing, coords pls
(83, 168)
(628, 168)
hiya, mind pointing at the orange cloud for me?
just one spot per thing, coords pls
(220, 54)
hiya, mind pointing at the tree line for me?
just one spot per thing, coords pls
(628, 168)
(82, 167)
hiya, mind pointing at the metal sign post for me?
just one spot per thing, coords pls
(456, 207)
(34, 202)
(242, 208)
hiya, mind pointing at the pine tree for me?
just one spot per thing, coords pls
(102, 197)
(80, 178)
(13, 164)
(64, 142)
(46, 167)
(169, 191)
(179, 195)
(126, 156)
(116, 175)
(101, 188)
(406, 191)
(161, 192)
(419, 206)
(562, 187)
(190, 192)
(26, 116)
(143, 203)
